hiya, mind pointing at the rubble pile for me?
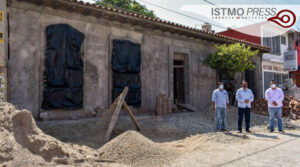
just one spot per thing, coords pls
(291, 107)
(22, 143)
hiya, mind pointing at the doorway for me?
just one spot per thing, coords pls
(179, 78)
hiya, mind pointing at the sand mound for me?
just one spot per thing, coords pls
(134, 149)
(24, 144)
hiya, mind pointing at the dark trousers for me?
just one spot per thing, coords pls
(241, 112)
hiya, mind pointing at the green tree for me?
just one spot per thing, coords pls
(230, 59)
(130, 5)
(227, 61)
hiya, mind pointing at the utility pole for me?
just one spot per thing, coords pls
(3, 50)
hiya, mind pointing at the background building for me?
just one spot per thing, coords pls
(272, 62)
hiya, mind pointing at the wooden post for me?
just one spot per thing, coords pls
(115, 114)
(108, 121)
(169, 107)
(131, 115)
(164, 102)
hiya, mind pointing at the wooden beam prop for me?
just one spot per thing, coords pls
(102, 125)
(115, 114)
(108, 121)
(131, 115)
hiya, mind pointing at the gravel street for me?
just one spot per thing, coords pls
(192, 138)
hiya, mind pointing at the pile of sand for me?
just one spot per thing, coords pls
(134, 149)
(22, 143)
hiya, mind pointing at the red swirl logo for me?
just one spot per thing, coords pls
(284, 18)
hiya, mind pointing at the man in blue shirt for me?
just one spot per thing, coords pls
(244, 97)
(219, 102)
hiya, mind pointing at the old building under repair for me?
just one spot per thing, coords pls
(68, 58)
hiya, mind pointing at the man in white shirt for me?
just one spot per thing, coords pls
(275, 96)
(220, 101)
(244, 97)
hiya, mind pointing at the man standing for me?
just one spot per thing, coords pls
(219, 102)
(275, 96)
(244, 97)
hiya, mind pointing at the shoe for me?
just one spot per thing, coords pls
(240, 131)
(223, 130)
(271, 131)
(281, 131)
(248, 131)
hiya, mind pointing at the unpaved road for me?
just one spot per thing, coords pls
(283, 153)
(192, 137)
(257, 149)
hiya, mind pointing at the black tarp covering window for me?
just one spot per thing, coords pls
(64, 68)
(126, 56)
(126, 64)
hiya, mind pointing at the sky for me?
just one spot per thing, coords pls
(169, 9)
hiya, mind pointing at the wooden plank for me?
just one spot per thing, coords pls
(169, 106)
(131, 115)
(102, 125)
(115, 114)
(164, 105)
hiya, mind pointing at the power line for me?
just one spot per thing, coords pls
(210, 2)
(182, 14)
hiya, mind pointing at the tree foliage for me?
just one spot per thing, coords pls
(130, 5)
(231, 58)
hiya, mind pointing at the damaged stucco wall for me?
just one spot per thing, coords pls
(157, 69)
(27, 46)
(3, 50)
(27, 56)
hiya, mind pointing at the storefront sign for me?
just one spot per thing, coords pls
(277, 69)
(273, 68)
(267, 67)
(290, 60)
(1, 15)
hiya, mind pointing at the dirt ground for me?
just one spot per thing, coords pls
(231, 149)
(192, 140)
(177, 140)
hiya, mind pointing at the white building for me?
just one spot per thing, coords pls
(272, 64)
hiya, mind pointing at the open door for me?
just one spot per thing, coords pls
(179, 78)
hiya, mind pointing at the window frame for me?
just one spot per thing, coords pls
(283, 42)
